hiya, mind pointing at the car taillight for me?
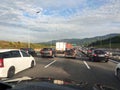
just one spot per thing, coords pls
(106, 54)
(1, 62)
(50, 51)
(89, 51)
(94, 55)
(41, 51)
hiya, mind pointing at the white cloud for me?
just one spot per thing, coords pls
(21, 17)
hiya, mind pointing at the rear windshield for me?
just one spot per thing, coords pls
(10, 54)
(30, 49)
(99, 52)
(47, 48)
(5, 55)
(27, 49)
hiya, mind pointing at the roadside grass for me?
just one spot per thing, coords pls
(12, 45)
(114, 46)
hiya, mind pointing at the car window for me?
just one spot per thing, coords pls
(15, 53)
(5, 55)
(30, 49)
(25, 54)
(99, 52)
(47, 48)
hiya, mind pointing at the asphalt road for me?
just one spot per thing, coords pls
(80, 70)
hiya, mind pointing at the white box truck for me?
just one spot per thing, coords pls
(60, 47)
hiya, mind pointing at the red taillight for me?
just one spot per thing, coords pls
(94, 55)
(50, 51)
(1, 62)
(41, 51)
(89, 51)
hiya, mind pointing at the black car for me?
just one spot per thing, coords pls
(99, 55)
(48, 52)
(31, 51)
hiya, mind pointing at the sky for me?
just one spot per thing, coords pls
(46, 20)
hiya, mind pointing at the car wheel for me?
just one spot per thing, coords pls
(91, 59)
(32, 64)
(106, 60)
(11, 72)
(118, 74)
(74, 57)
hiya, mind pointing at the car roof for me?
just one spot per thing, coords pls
(5, 50)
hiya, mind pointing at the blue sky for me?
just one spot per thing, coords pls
(45, 20)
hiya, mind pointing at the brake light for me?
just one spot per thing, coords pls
(1, 62)
(94, 55)
(89, 51)
(51, 52)
(106, 54)
(41, 51)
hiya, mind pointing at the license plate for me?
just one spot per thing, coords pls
(46, 52)
(101, 55)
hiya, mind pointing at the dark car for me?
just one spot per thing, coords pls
(99, 55)
(70, 53)
(48, 52)
(31, 51)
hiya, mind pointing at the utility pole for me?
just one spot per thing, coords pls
(37, 12)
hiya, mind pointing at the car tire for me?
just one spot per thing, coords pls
(106, 60)
(74, 57)
(32, 64)
(91, 59)
(11, 72)
(118, 74)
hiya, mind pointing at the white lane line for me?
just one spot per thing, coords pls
(86, 64)
(50, 64)
(113, 61)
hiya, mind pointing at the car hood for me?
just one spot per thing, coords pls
(47, 83)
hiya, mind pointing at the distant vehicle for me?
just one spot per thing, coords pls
(70, 53)
(62, 46)
(13, 61)
(89, 51)
(117, 71)
(31, 51)
(48, 52)
(99, 55)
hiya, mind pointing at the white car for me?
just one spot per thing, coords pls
(117, 71)
(13, 61)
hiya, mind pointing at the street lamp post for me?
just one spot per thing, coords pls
(110, 43)
(28, 39)
(37, 12)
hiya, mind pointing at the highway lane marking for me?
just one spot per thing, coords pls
(86, 64)
(113, 61)
(50, 64)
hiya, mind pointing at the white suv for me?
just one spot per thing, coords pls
(13, 61)
(117, 71)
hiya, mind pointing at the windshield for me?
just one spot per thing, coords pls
(47, 49)
(70, 30)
